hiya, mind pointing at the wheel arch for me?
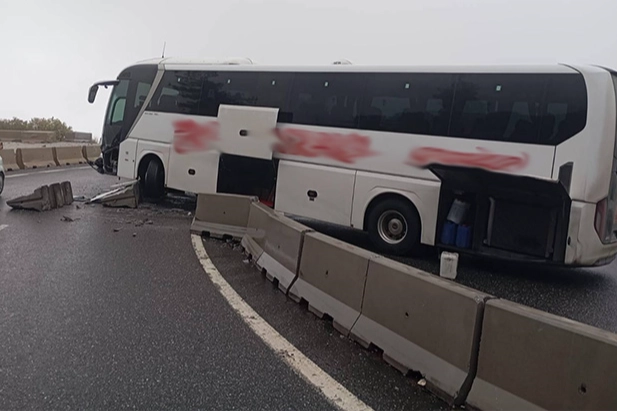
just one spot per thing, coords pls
(408, 198)
(145, 159)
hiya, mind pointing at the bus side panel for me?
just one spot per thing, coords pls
(424, 194)
(591, 151)
(126, 159)
(193, 172)
(322, 193)
(409, 154)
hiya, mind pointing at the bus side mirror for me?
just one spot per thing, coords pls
(92, 94)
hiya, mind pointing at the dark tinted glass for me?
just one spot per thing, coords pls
(408, 103)
(503, 107)
(326, 99)
(565, 112)
(228, 87)
(273, 90)
(179, 92)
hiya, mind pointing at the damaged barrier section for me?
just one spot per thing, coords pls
(470, 347)
(45, 198)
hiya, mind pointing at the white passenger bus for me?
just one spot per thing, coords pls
(509, 162)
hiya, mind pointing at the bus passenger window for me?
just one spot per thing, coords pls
(499, 107)
(326, 99)
(414, 103)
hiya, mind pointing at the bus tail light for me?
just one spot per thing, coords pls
(605, 218)
(600, 218)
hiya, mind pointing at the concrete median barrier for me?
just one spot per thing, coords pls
(281, 249)
(530, 359)
(422, 323)
(68, 156)
(91, 153)
(332, 277)
(11, 159)
(259, 216)
(222, 215)
(38, 157)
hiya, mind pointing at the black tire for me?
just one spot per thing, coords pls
(154, 181)
(400, 227)
(1, 183)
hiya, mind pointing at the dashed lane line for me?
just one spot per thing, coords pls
(338, 395)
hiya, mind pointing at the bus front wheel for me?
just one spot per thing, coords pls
(154, 180)
(394, 226)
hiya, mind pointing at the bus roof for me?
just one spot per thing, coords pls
(246, 64)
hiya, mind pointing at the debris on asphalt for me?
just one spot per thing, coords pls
(139, 223)
(247, 261)
(134, 234)
(67, 219)
(77, 207)
(45, 198)
(149, 222)
(80, 199)
(116, 230)
(422, 382)
(126, 195)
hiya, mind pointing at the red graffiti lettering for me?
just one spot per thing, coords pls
(190, 136)
(425, 156)
(346, 148)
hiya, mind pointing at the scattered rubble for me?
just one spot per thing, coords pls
(67, 219)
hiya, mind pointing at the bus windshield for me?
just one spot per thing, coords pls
(125, 102)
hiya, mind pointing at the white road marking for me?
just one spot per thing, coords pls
(35, 172)
(334, 392)
(3, 226)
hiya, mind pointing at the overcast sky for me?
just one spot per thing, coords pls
(53, 50)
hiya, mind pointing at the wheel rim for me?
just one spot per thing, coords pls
(392, 227)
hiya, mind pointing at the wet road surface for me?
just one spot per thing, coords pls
(111, 309)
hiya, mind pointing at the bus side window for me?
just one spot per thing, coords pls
(273, 91)
(499, 107)
(326, 99)
(415, 103)
(178, 92)
(566, 108)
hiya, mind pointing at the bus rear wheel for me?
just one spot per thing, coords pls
(394, 226)
(154, 180)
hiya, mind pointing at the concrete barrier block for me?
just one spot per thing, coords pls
(38, 157)
(57, 194)
(422, 323)
(67, 192)
(126, 195)
(530, 359)
(11, 159)
(39, 200)
(67, 156)
(332, 277)
(282, 245)
(91, 153)
(222, 215)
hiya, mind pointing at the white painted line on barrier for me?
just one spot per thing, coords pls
(334, 392)
(3, 226)
(47, 171)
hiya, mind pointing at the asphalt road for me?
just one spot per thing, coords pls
(586, 295)
(111, 309)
